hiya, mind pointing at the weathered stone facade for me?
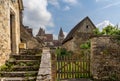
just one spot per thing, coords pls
(27, 38)
(48, 39)
(78, 35)
(105, 58)
(10, 12)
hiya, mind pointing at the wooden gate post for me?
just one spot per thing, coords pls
(54, 68)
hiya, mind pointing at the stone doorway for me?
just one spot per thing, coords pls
(12, 33)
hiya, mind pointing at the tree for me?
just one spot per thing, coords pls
(97, 31)
(108, 30)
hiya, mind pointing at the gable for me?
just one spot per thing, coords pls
(85, 26)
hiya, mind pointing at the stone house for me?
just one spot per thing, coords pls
(48, 39)
(28, 40)
(78, 35)
(10, 22)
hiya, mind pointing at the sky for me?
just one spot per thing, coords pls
(53, 14)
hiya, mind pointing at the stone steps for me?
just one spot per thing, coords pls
(26, 57)
(30, 52)
(18, 74)
(22, 67)
(27, 54)
(25, 68)
(25, 62)
(18, 79)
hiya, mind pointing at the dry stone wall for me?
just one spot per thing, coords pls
(105, 58)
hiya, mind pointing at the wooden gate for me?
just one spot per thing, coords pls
(73, 66)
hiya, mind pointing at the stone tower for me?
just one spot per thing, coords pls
(61, 35)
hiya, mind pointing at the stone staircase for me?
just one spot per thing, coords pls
(22, 67)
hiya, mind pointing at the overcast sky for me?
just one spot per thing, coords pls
(53, 14)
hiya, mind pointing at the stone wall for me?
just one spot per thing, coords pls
(74, 44)
(53, 64)
(4, 33)
(45, 73)
(105, 58)
(68, 45)
(6, 8)
(79, 39)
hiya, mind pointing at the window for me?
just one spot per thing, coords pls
(87, 26)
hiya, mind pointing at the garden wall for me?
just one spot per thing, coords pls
(105, 58)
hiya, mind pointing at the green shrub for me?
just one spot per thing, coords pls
(6, 67)
(85, 45)
(3, 68)
(63, 51)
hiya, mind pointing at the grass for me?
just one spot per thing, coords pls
(6, 67)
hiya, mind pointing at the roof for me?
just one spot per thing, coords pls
(56, 43)
(71, 33)
(49, 37)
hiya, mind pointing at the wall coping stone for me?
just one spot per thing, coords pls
(45, 73)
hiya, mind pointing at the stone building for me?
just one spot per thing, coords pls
(29, 30)
(78, 35)
(48, 40)
(61, 35)
(10, 21)
(28, 39)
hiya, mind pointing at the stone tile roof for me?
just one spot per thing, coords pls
(49, 37)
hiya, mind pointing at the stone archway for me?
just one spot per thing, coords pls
(12, 32)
